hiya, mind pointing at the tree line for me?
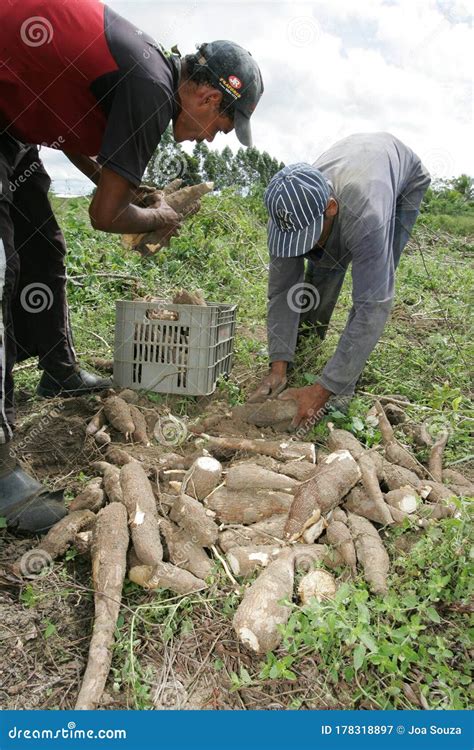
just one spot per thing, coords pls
(243, 170)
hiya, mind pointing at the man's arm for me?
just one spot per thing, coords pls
(112, 209)
(86, 165)
(285, 284)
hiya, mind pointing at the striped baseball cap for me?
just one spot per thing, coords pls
(296, 199)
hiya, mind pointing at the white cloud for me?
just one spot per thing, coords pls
(334, 68)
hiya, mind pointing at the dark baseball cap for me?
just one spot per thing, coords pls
(238, 76)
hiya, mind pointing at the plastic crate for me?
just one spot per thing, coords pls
(185, 355)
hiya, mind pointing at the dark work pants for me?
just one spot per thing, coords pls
(34, 315)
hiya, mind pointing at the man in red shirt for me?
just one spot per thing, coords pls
(78, 77)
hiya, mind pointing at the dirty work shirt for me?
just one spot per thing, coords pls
(78, 77)
(379, 184)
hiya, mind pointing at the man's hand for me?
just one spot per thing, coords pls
(272, 384)
(311, 401)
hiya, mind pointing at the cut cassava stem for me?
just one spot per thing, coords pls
(109, 559)
(202, 478)
(140, 503)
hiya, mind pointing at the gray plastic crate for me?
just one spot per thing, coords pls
(186, 355)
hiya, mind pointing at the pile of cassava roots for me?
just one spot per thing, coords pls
(248, 506)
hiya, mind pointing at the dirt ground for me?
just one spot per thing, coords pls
(46, 621)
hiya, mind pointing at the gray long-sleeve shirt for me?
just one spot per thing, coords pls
(379, 184)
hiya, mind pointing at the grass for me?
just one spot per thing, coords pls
(357, 651)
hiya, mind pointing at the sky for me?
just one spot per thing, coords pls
(332, 68)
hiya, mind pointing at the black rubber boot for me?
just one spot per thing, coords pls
(78, 383)
(28, 507)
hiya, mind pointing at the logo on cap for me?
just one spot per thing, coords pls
(285, 220)
(235, 82)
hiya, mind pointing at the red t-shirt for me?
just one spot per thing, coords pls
(76, 76)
